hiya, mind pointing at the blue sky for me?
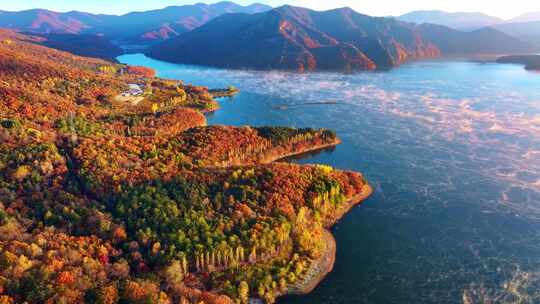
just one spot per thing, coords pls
(500, 8)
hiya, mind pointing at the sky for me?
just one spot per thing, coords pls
(500, 8)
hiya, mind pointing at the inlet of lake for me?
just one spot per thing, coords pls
(452, 149)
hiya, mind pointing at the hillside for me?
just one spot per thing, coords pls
(459, 21)
(135, 27)
(82, 45)
(106, 200)
(298, 39)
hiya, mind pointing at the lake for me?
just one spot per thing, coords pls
(452, 149)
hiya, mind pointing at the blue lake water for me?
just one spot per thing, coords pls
(452, 149)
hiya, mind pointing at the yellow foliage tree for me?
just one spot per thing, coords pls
(243, 292)
(155, 108)
(108, 69)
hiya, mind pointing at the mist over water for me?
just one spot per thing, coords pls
(453, 152)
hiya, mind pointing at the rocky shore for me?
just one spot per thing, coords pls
(323, 265)
(320, 267)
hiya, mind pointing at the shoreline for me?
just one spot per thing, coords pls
(325, 264)
(529, 62)
(355, 200)
(277, 156)
(321, 267)
(272, 159)
(318, 269)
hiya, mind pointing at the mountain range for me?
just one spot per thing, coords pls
(297, 38)
(527, 17)
(302, 39)
(525, 31)
(226, 34)
(464, 20)
(525, 27)
(136, 27)
(460, 21)
(484, 41)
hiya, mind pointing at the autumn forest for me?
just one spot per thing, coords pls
(113, 189)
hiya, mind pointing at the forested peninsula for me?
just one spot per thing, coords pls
(113, 189)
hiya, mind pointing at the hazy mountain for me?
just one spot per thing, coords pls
(300, 39)
(461, 21)
(137, 27)
(525, 27)
(525, 31)
(527, 17)
(482, 41)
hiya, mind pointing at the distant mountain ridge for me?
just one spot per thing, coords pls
(135, 27)
(458, 20)
(525, 31)
(226, 34)
(465, 20)
(483, 41)
(527, 17)
(302, 39)
(525, 27)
